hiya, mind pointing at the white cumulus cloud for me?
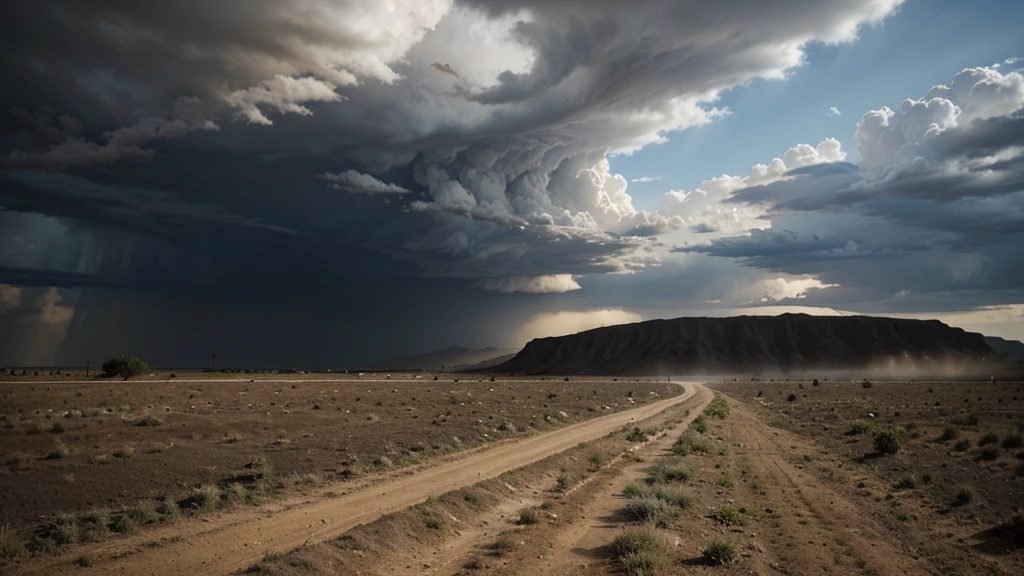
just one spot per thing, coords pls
(550, 284)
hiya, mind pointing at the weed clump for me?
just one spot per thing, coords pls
(10, 545)
(989, 438)
(562, 481)
(634, 490)
(727, 514)
(718, 552)
(527, 516)
(596, 460)
(690, 442)
(860, 427)
(636, 435)
(432, 521)
(654, 510)
(1012, 442)
(662, 473)
(963, 498)
(60, 450)
(949, 433)
(672, 496)
(641, 551)
(170, 509)
(700, 425)
(963, 445)
(205, 497)
(889, 440)
(505, 544)
(144, 513)
(717, 408)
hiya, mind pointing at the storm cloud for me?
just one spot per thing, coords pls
(188, 152)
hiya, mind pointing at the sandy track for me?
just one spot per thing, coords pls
(813, 529)
(579, 547)
(234, 541)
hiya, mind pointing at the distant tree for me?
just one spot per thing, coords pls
(125, 366)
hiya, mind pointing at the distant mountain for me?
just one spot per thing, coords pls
(1013, 349)
(745, 343)
(452, 358)
(490, 363)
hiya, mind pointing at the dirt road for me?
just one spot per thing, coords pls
(792, 522)
(234, 541)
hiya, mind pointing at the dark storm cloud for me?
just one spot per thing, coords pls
(180, 144)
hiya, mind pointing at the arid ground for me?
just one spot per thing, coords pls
(728, 477)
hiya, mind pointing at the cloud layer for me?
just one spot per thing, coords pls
(461, 150)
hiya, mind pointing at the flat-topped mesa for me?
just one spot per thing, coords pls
(756, 343)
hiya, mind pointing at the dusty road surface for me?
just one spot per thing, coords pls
(801, 509)
(234, 541)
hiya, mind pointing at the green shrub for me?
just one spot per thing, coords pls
(144, 513)
(725, 482)
(528, 516)
(125, 367)
(718, 551)
(596, 460)
(644, 563)
(727, 514)
(432, 521)
(889, 440)
(866, 383)
(634, 490)
(236, 493)
(205, 497)
(860, 427)
(949, 433)
(170, 509)
(637, 435)
(124, 524)
(699, 425)
(85, 561)
(962, 445)
(717, 408)
(690, 442)
(664, 472)
(989, 438)
(562, 481)
(65, 530)
(654, 510)
(671, 496)
(638, 540)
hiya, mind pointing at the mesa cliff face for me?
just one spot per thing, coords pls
(745, 343)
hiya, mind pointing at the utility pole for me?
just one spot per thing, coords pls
(87, 368)
(213, 364)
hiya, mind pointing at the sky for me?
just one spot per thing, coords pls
(326, 183)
